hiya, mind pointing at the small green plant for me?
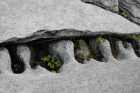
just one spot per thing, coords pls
(58, 63)
(101, 40)
(50, 63)
(80, 41)
(126, 15)
(135, 37)
(73, 39)
(46, 58)
(75, 45)
(53, 71)
(82, 48)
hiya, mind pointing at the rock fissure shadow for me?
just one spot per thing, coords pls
(17, 65)
(85, 48)
(81, 44)
(125, 40)
(52, 64)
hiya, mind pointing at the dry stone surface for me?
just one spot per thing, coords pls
(29, 29)
(25, 19)
(111, 5)
(131, 7)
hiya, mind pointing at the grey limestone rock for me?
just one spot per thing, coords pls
(93, 77)
(27, 20)
(31, 20)
(33, 52)
(100, 50)
(95, 46)
(81, 54)
(125, 51)
(131, 7)
(106, 51)
(5, 60)
(97, 77)
(24, 53)
(64, 50)
(111, 5)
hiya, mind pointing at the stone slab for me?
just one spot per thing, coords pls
(20, 19)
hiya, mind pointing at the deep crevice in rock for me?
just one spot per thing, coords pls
(41, 46)
(63, 33)
(43, 51)
(124, 39)
(17, 64)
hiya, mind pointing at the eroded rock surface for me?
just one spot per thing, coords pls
(125, 51)
(28, 20)
(21, 19)
(81, 52)
(5, 60)
(111, 5)
(131, 7)
(111, 77)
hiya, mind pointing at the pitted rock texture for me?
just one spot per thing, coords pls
(24, 53)
(82, 52)
(95, 48)
(21, 19)
(131, 7)
(93, 77)
(106, 51)
(28, 20)
(5, 61)
(111, 5)
(125, 51)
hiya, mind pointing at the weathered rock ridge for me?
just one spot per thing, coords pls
(20, 19)
(31, 29)
(111, 5)
(130, 7)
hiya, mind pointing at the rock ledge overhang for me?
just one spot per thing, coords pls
(22, 19)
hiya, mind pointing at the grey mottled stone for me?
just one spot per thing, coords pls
(102, 49)
(131, 7)
(106, 51)
(97, 77)
(93, 77)
(64, 50)
(79, 53)
(24, 53)
(33, 53)
(111, 5)
(5, 60)
(21, 19)
(95, 46)
(125, 53)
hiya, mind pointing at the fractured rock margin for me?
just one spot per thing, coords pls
(130, 7)
(25, 53)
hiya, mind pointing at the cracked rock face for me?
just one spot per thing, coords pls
(111, 5)
(131, 7)
(22, 19)
(82, 52)
(31, 30)
(5, 62)
(94, 76)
